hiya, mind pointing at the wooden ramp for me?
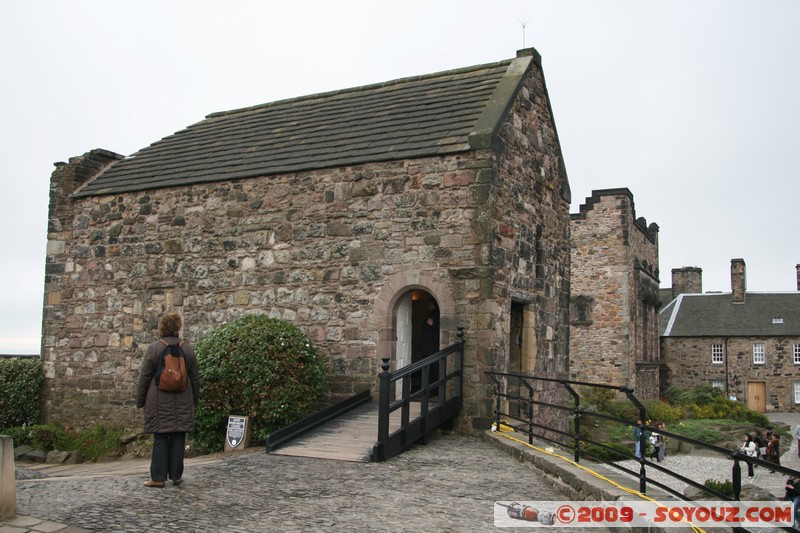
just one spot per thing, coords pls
(349, 437)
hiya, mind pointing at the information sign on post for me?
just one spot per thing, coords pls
(237, 437)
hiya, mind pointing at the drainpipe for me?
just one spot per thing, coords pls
(725, 355)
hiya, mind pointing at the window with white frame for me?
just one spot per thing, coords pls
(717, 355)
(758, 353)
(796, 352)
(718, 383)
(797, 392)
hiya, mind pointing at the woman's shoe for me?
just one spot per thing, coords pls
(151, 483)
(177, 481)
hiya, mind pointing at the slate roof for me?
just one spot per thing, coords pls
(715, 315)
(430, 115)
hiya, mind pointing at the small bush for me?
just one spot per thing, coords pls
(619, 452)
(698, 430)
(596, 397)
(623, 409)
(702, 394)
(21, 382)
(259, 367)
(41, 437)
(98, 442)
(724, 487)
(722, 408)
(657, 410)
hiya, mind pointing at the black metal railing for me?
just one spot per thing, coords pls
(515, 401)
(433, 384)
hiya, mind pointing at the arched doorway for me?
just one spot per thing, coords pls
(418, 329)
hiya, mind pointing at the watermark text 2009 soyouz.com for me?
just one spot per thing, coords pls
(510, 513)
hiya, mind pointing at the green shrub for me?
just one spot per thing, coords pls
(597, 397)
(98, 442)
(259, 367)
(619, 452)
(702, 394)
(724, 487)
(722, 408)
(658, 410)
(623, 409)
(21, 380)
(698, 430)
(41, 437)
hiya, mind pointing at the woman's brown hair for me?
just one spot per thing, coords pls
(170, 325)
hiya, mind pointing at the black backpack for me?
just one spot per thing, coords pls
(171, 375)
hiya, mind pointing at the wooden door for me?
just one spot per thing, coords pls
(757, 396)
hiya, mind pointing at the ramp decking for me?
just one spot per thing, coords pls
(349, 437)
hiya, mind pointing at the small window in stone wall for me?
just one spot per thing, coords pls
(758, 353)
(718, 383)
(796, 353)
(717, 354)
(797, 392)
(580, 310)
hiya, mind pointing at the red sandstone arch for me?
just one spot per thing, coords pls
(398, 285)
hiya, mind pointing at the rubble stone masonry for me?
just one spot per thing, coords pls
(614, 307)
(328, 250)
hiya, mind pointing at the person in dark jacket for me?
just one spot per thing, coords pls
(429, 338)
(169, 416)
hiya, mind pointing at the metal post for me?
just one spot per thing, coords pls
(642, 443)
(458, 386)
(736, 476)
(383, 408)
(577, 416)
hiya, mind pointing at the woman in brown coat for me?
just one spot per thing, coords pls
(167, 415)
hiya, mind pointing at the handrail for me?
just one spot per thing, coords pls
(440, 401)
(527, 424)
(280, 437)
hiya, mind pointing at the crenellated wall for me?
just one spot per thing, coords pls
(614, 307)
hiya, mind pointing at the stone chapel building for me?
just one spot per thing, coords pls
(343, 213)
(615, 294)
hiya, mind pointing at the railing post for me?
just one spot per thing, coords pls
(530, 412)
(459, 384)
(577, 416)
(736, 476)
(642, 442)
(383, 408)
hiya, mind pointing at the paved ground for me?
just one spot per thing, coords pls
(447, 485)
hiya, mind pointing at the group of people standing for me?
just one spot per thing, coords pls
(655, 442)
(765, 447)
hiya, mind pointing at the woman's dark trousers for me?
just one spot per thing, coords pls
(167, 460)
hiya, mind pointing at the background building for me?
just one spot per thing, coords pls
(614, 294)
(746, 343)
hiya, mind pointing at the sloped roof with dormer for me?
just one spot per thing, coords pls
(716, 315)
(430, 115)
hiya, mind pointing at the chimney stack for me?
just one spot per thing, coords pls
(738, 280)
(687, 280)
(797, 268)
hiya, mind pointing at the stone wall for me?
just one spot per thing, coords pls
(530, 246)
(614, 291)
(689, 364)
(331, 251)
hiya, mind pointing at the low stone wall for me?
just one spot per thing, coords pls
(575, 483)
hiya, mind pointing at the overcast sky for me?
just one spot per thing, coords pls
(694, 105)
